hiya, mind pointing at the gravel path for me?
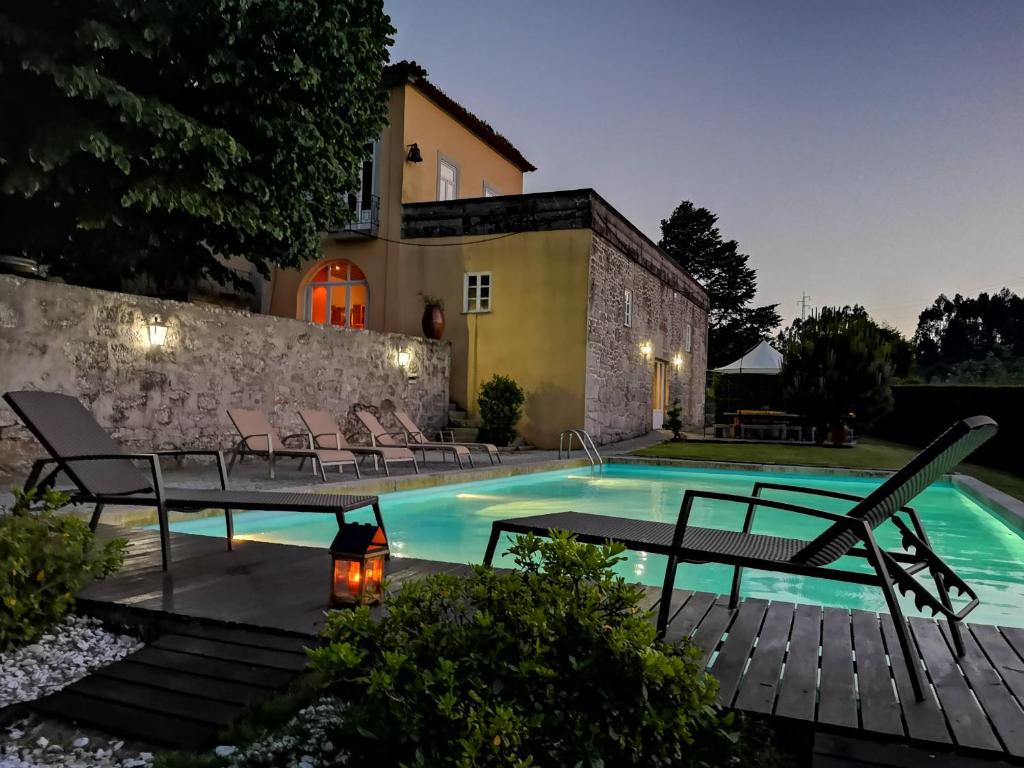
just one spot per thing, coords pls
(66, 653)
(34, 743)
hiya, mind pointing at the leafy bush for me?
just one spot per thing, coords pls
(837, 363)
(674, 421)
(552, 664)
(45, 558)
(501, 406)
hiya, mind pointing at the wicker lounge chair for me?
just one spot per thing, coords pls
(103, 474)
(744, 549)
(400, 439)
(258, 438)
(416, 436)
(324, 434)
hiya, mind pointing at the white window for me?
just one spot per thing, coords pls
(447, 180)
(490, 191)
(627, 308)
(688, 338)
(476, 292)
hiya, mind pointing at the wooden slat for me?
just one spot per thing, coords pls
(967, 721)
(264, 677)
(924, 719)
(183, 682)
(879, 707)
(1001, 708)
(732, 659)
(652, 596)
(232, 652)
(838, 700)
(761, 682)
(798, 692)
(186, 707)
(709, 632)
(1015, 637)
(1007, 663)
(125, 720)
(689, 616)
(267, 640)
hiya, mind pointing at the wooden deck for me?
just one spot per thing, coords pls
(830, 668)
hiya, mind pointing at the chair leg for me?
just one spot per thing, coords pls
(415, 465)
(387, 469)
(323, 470)
(165, 536)
(492, 544)
(95, 519)
(270, 463)
(229, 525)
(664, 609)
(954, 626)
(903, 635)
(231, 461)
(355, 465)
(734, 595)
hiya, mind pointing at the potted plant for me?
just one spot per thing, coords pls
(840, 434)
(433, 316)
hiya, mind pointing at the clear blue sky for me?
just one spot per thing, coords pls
(868, 151)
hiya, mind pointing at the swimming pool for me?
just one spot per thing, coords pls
(452, 522)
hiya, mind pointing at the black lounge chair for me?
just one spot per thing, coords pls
(104, 475)
(743, 549)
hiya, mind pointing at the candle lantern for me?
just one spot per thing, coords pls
(357, 564)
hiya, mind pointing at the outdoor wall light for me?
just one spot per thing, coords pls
(404, 358)
(414, 155)
(646, 349)
(677, 361)
(357, 564)
(157, 331)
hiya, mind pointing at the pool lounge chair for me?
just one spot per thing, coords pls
(400, 439)
(324, 434)
(416, 436)
(744, 549)
(104, 475)
(259, 438)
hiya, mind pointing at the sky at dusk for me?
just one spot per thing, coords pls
(868, 152)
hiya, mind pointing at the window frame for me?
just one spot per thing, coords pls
(478, 310)
(443, 160)
(627, 308)
(348, 283)
(490, 191)
(688, 338)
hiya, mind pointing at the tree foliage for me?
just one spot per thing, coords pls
(501, 406)
(839, 362)
(141, 138)
(966, 340)
(691, 238)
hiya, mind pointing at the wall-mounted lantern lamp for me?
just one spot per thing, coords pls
(157, 331)
(414, 155)
(677, 361)
(357, 564)
(404, 358)
(646, 349)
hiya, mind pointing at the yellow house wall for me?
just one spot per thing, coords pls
(437, 134)
(536, 332)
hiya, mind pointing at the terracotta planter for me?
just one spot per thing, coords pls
(433, 322)
(839, 435)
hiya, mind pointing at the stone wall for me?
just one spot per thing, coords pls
(94, 344)
(619, 376)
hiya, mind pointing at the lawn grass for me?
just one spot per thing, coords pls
(869, 453)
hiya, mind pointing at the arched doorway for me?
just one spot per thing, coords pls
(337, 294)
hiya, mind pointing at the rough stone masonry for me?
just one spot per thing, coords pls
(94, 344)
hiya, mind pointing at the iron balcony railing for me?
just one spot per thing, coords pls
(364, 215)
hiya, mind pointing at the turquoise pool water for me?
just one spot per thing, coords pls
(451, 523)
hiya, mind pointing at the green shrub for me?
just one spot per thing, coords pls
(673, 420)
(501, 406)
(45, 558)
(553, 664)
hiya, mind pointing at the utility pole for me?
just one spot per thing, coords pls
(803, 304)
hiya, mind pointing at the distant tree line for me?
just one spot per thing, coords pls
(972, 340)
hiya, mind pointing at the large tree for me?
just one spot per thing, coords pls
(141, 139)
(691, 238)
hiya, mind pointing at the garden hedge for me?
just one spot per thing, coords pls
(922, 411)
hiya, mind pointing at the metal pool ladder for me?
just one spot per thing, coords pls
(586, 443)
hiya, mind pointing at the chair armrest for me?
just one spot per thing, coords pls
(243, 443)
(151, 458)
(221, 466)
(758, 486)
(441, 435)
(315, 440)
(757, 501)
(303, 436)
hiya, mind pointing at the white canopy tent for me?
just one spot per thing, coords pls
(763, 358)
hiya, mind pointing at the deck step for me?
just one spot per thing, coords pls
(182, 689)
